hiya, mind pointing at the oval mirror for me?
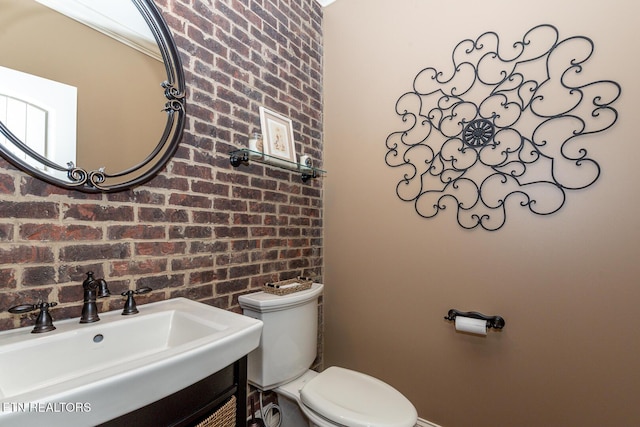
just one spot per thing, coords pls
(91, 91)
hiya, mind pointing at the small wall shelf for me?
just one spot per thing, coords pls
(245, 155)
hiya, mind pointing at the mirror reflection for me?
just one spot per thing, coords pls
(115, 79)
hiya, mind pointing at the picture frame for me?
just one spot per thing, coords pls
(277, 135)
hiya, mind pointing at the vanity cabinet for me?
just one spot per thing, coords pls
(194, 404)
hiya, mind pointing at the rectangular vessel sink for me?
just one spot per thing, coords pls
(86, 374)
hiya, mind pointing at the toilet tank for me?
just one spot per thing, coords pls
(288, 345)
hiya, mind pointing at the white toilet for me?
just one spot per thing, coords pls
(334, 397)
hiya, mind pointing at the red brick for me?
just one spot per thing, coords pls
(190, 201)
(51, 232)
(194, 292)
(191, 263)
(160, 248)
(6, 232)
(94, 252)
(7, 278)
(138, 267)
(7, 183)
(119, 232)
(200, 228)
(162, 215)
(161, 281)
(23, 254)
(39, 210)
(92, 212)
(38, 276)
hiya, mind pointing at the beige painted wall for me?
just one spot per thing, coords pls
(567, 284)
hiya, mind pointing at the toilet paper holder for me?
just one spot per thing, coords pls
(495, 322)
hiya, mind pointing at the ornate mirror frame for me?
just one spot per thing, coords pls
(96, 181)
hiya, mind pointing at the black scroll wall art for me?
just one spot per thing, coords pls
(504, 126)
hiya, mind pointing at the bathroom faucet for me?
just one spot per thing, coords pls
(44, 322)
(130, 306)
(93, 288)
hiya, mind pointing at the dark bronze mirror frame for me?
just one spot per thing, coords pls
(95, 181)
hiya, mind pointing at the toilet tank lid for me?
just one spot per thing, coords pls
(264, 302)
(355, 399)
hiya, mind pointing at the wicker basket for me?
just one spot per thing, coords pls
(223, 417)
(285, 287)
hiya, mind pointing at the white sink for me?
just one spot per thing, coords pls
(86, 374)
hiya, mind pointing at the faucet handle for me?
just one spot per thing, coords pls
(22, 308)
(130, 305)
(44, 322)
(144, 290)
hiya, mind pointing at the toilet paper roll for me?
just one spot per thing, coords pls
(284, 164)
(255, 145)
(471, 325)
(306, 163)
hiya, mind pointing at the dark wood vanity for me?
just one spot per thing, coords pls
(194, 404)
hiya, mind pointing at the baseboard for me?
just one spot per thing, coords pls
(420, 423)
(425, 423)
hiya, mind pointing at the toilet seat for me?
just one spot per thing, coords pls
(354, 399)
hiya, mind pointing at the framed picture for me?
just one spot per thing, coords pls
(277, 135)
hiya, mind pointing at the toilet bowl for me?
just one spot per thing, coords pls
(333, 397)
(341, 397)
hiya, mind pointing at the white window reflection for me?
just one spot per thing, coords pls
(41, 113)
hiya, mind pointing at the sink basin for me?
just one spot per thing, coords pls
(86, 374)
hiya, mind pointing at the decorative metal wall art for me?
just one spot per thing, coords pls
(503, 125)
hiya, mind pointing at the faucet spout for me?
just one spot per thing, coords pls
(93, 288)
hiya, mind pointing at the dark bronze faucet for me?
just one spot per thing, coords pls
(130, 305)
(93, 288)
(44, 323)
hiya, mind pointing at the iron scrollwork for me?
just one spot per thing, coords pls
(505, 126)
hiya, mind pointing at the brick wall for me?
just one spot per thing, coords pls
(201, 229)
